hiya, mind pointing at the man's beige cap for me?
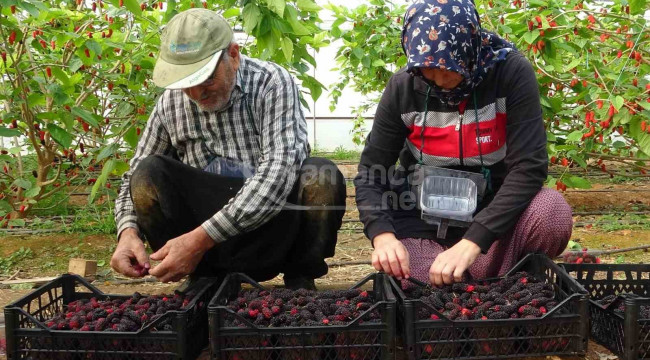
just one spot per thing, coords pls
(190, 47)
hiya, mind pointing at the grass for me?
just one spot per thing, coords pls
(7, 264)
(48, 255)
(339, 153)
(633, 222)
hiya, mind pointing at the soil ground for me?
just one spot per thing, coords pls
(50, 252)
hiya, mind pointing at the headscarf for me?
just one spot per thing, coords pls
(444, 34)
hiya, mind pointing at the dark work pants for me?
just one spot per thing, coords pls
(172, 198)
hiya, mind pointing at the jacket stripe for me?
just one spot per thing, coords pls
(443, 119)
(441, 139)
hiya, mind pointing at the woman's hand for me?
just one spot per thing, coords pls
(390, 256)
(449, 266)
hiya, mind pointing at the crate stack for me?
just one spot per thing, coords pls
(368, 332)
(625, 333)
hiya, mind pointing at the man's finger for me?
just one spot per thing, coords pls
(160, 254)
(143, 259)
(177, 278)
(160, 270)
(123, 266)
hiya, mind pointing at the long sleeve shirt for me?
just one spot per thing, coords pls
(263, 127)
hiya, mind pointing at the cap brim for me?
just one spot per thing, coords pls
(174, 76)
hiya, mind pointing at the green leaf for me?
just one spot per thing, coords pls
(94, 46)
(91, 119)
(531, 36)
(25, 184)
(232, 12)
(6, 132)
(637, 6)
(16, 222)
(61, 76)
(572, 245)
(101, 180)
(358, 53)
(131, 137)
(574, 136)
(277, 6)
(171, 11)
(120, 168)
(378, 63)
(287, 48)
(577, 182)
(620, 259)
(645, 104)
(36, 99)
(60, 135)
(75, 64)
(5, 206)
(107, 151)
(101, 263)
(251, 17)
(133, 6)
(618, 102)
(32, 192)
(580, 161)
(644, 142)
(307, 5)
(31, 9)
(60, 97)
(298, 28)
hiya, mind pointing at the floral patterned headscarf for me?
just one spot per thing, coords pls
(444, 34)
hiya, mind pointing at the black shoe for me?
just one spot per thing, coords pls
(299, 283)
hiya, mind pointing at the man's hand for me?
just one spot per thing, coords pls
(449, 266)
(390, 256)
(130, 258)
(181, 255)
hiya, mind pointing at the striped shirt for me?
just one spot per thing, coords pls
(263, 126)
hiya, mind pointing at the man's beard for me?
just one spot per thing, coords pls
(222, 101)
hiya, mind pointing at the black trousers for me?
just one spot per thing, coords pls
(172, 198)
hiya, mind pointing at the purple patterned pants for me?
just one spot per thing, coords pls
(544, 227)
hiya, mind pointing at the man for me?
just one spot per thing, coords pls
(221, 179)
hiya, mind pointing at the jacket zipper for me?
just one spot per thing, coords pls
(459, 126)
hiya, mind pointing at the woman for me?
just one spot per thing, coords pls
(480, 98)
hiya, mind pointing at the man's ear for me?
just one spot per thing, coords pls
(233, 51)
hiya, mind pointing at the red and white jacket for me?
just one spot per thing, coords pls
(512, 141)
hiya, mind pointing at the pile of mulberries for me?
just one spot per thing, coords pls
(129, 314)
(517, 296)
(577, 257)
(284, 307)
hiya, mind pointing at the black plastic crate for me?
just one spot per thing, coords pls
(354, 341)
(627, 335)
(29, 338)
(562, 331)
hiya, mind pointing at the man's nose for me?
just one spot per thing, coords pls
(195, 92)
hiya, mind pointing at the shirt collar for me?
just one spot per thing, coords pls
(243, 63)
